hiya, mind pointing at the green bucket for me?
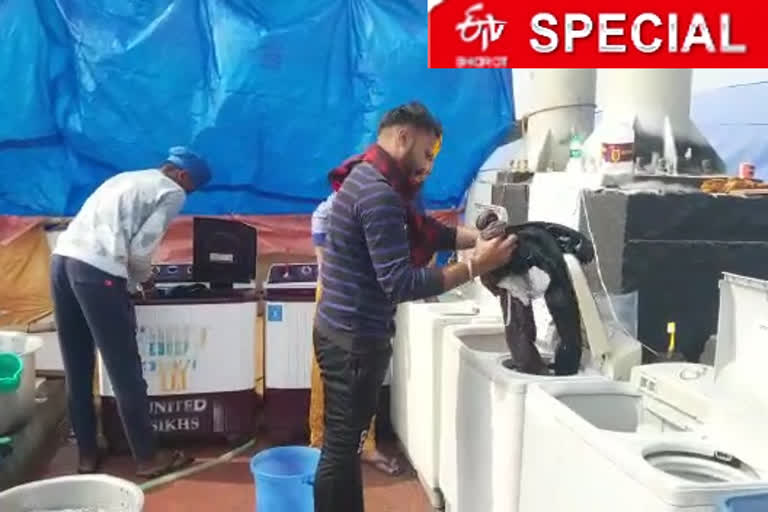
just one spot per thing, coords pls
(11, 368)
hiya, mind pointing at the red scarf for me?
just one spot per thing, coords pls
(422, 230)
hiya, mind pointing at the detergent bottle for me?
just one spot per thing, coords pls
(617, 148)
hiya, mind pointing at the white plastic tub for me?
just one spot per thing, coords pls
(90, 492)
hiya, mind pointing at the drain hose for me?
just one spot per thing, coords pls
(191, 470)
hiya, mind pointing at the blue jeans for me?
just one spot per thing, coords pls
(94, 310)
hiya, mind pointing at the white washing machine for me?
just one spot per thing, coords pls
(676, 396)
(416, 377)
(482, 408)
(657, 471)
(584, 451)
(289, 313)
(680, 396)
(474, 291)
(739, 412)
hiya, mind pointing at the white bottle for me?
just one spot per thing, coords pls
(617, 148)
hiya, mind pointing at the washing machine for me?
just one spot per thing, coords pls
(738, 414)
(584, 450)
(676, 396)
(416, 378)
(482, 410)
(289, 293)
(679, 396)
(599, 426)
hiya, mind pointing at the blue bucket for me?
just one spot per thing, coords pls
(744, 503)
(285, 479)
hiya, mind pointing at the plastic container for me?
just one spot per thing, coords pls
(744, 503)
(617, 147)
(80, 492)
(11, 368)
(284, 478)
(618, 308)
(575, 155)
(746, 171)
(19, 405)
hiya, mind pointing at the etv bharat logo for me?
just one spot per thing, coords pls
(488, 29)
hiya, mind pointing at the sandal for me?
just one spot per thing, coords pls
(175, 461)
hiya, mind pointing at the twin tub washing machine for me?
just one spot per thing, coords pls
(586, 446)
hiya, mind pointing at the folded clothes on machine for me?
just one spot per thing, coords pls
(537, 268)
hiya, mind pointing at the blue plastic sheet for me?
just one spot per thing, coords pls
(735, 121)
(274, 94)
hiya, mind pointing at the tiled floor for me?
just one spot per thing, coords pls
(229, 486)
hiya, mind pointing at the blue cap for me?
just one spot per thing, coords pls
(196, 167)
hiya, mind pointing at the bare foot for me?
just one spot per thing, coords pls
(386, 465)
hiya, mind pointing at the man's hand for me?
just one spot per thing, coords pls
(492, 254)
(488, 255)
(466, 237)
(147, 287)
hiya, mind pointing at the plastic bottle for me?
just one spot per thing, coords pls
(617, 148)
(576, 155)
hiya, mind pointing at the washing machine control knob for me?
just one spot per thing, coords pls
(693, 373)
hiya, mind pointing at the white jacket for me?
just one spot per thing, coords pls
(121, 224)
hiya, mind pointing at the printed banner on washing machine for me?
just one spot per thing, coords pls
(190, 349)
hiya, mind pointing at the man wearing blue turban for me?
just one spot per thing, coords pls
(104, 254)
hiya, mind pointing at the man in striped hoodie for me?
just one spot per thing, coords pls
(375, 247)
(465, 239)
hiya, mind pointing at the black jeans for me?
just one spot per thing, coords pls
(93, 310)
(352, 382)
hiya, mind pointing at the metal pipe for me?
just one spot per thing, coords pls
(648, 94)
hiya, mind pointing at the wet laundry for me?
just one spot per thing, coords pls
(538, 269)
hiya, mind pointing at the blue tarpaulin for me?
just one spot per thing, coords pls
(274, 94)
(734, 120)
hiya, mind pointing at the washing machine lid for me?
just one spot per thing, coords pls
(687, 387)
(736, 419)
(742, 331)
(740, 398)
(597, 338)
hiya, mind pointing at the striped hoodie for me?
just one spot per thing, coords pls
(366, 267)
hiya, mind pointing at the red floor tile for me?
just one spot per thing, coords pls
(229, 486)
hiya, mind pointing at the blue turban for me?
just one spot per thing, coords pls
(196, 167)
